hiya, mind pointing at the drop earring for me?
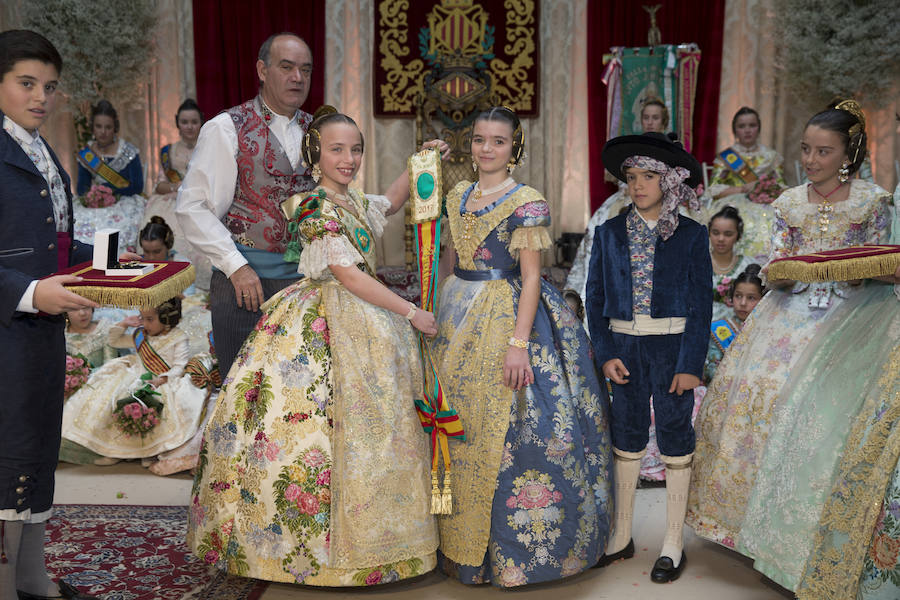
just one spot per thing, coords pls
(316, 172)
(844, 172)
(474, 166)
(510, 166)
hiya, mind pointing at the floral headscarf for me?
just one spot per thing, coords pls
(675, 191)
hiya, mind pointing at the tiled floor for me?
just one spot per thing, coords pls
(712, 571)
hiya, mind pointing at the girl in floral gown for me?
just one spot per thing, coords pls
(119, 170)
(532, 482)
(748, 395)
(174, 160)
(726, 228)
(848, 525)
(161, 350)
(752, 190)
(745, 292)
(314, 467)
(88, 337)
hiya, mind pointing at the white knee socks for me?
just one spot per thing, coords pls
(678, 480)
(626, 468)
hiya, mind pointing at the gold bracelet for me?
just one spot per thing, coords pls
(514, 341)
(412, 312)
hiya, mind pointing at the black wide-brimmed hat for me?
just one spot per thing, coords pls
(655, 145)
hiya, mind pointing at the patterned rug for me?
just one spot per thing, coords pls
(121, 552)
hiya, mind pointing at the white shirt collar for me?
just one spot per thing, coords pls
(20, 133)
(650, 224)
(277, 118)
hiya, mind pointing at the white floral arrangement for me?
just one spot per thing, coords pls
(845, 48)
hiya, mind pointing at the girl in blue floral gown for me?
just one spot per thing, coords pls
(532, 482)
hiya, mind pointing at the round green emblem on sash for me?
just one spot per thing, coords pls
(425, 185)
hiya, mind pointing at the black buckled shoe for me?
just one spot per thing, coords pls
(608, 559)
(65, 591)
(664, 570)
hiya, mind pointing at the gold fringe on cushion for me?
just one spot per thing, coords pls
(122, 297)
(843, 269)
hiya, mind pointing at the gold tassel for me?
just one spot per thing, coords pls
(446, 496)
(435, 494)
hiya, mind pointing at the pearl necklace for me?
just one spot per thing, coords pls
(478, 193)
(720, 270)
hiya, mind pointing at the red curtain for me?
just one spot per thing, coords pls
(227, 37)
(626, 24)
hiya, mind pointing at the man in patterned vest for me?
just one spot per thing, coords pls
(247, 162)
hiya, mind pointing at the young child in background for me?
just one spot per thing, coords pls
(90, 417)
(745, 293)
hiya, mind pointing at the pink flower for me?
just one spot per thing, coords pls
(511, 502)
(319, 325)
(314, 458)
(211, 557)
(308, 503)
(332, 226)
(534, 495)
(511, 575)
(251, 395)
(272, 450)
(292, 492)
(324, 478)
(373, 578)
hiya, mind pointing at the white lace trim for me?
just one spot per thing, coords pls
(375, 214)
(325, 251)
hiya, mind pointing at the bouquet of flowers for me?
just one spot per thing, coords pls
(139, 413)
(77, 371)
(720, 293)
(766, 190)
(99, 196)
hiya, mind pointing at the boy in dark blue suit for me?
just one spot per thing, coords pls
(649, 305)
(35, 241)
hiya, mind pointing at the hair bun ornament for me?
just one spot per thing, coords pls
(518, 136)
(325, 109)
(852, 106)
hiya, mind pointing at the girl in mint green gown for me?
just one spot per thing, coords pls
(830, 464)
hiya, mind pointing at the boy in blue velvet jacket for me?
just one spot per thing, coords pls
(36, 233)
(649, 306)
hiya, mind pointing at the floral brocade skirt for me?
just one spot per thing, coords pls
(314, 468)
(532, 482)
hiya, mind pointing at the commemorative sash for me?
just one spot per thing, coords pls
(438, 419)
(738, 165)
(148, 355)
(723, 333)
(93, 163)
(165, 156)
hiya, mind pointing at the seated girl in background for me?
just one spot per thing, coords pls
(726, 228)
(745, 293)
(88, 337)
(91, 416)
(157, 240)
